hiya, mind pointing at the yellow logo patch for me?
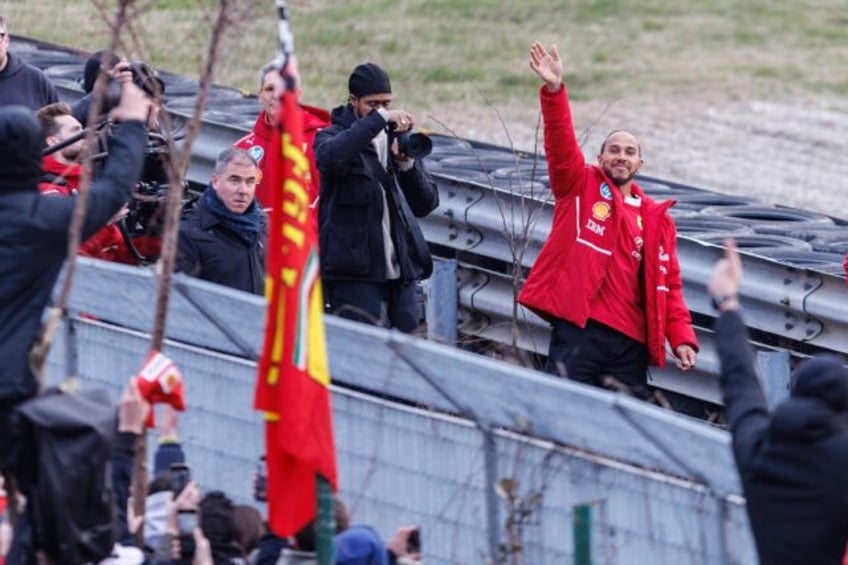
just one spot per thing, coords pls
(601, 210)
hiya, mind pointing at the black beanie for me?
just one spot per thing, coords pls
(368, 78)
(21, 142)
(105, 58)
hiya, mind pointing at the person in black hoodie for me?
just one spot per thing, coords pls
(34, 243)
(34, 229)
(792, 461)
(21, 83)
(372, 249)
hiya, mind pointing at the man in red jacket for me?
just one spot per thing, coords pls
(608, 279)
(314, 119)
(62, 169)
(62, 177)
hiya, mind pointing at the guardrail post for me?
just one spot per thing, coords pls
(493, 523)
(773, 367)
(441, 309)
(71, 353)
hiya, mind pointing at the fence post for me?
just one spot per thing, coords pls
(441, 309)
(773, 368)
(493, 524)
(71, 354)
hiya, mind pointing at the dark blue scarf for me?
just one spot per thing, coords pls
(245, 225)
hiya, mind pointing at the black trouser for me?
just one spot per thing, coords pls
(589, 355)
(390, 304)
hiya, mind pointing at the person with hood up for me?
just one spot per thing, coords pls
(34, 243)
(792, 461)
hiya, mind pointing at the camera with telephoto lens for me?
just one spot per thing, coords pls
(411, 143)
(414, 144)
(143, 76)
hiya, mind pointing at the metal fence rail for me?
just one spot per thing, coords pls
(660, 488)
(496, 211)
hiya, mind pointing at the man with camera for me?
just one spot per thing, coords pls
(372, 250)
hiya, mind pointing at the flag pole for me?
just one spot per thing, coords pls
(325, 521)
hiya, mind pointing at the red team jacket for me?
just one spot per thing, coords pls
(255, 143)
(575, 258)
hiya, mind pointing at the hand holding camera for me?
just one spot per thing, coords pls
(134, 104)
(400, 121)
(407, 144)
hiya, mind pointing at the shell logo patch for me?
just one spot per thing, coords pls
(606, 191)
(601, 211)
(257, 152)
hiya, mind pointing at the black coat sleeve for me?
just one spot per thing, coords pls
(744, 401)
(337, 150)
(419, 189)
(188, 258)
(122, 171)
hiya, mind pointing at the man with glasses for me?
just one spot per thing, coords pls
(372, 250)
(21, 83)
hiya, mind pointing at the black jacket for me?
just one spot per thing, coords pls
(351, 203)
(24, 84)
(793, 463)
(33, 245)
(209, 251)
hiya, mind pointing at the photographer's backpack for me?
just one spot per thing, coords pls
(68, 451)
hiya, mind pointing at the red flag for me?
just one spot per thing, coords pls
(293, 380)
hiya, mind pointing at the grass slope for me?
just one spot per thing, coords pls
(448, 57)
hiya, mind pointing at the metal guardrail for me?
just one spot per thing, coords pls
(496, 212)
(641, 467)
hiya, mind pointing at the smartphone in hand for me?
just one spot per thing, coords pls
(260, 484)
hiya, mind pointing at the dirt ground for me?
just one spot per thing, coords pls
(792, 154)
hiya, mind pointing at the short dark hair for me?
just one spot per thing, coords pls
(248, 527)
(638, 143)
(216, 522)
(47, 117)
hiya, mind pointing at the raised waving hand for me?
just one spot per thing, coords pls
(547, 65)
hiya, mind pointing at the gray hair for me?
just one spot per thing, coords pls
(266, 68)
(231, 154)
